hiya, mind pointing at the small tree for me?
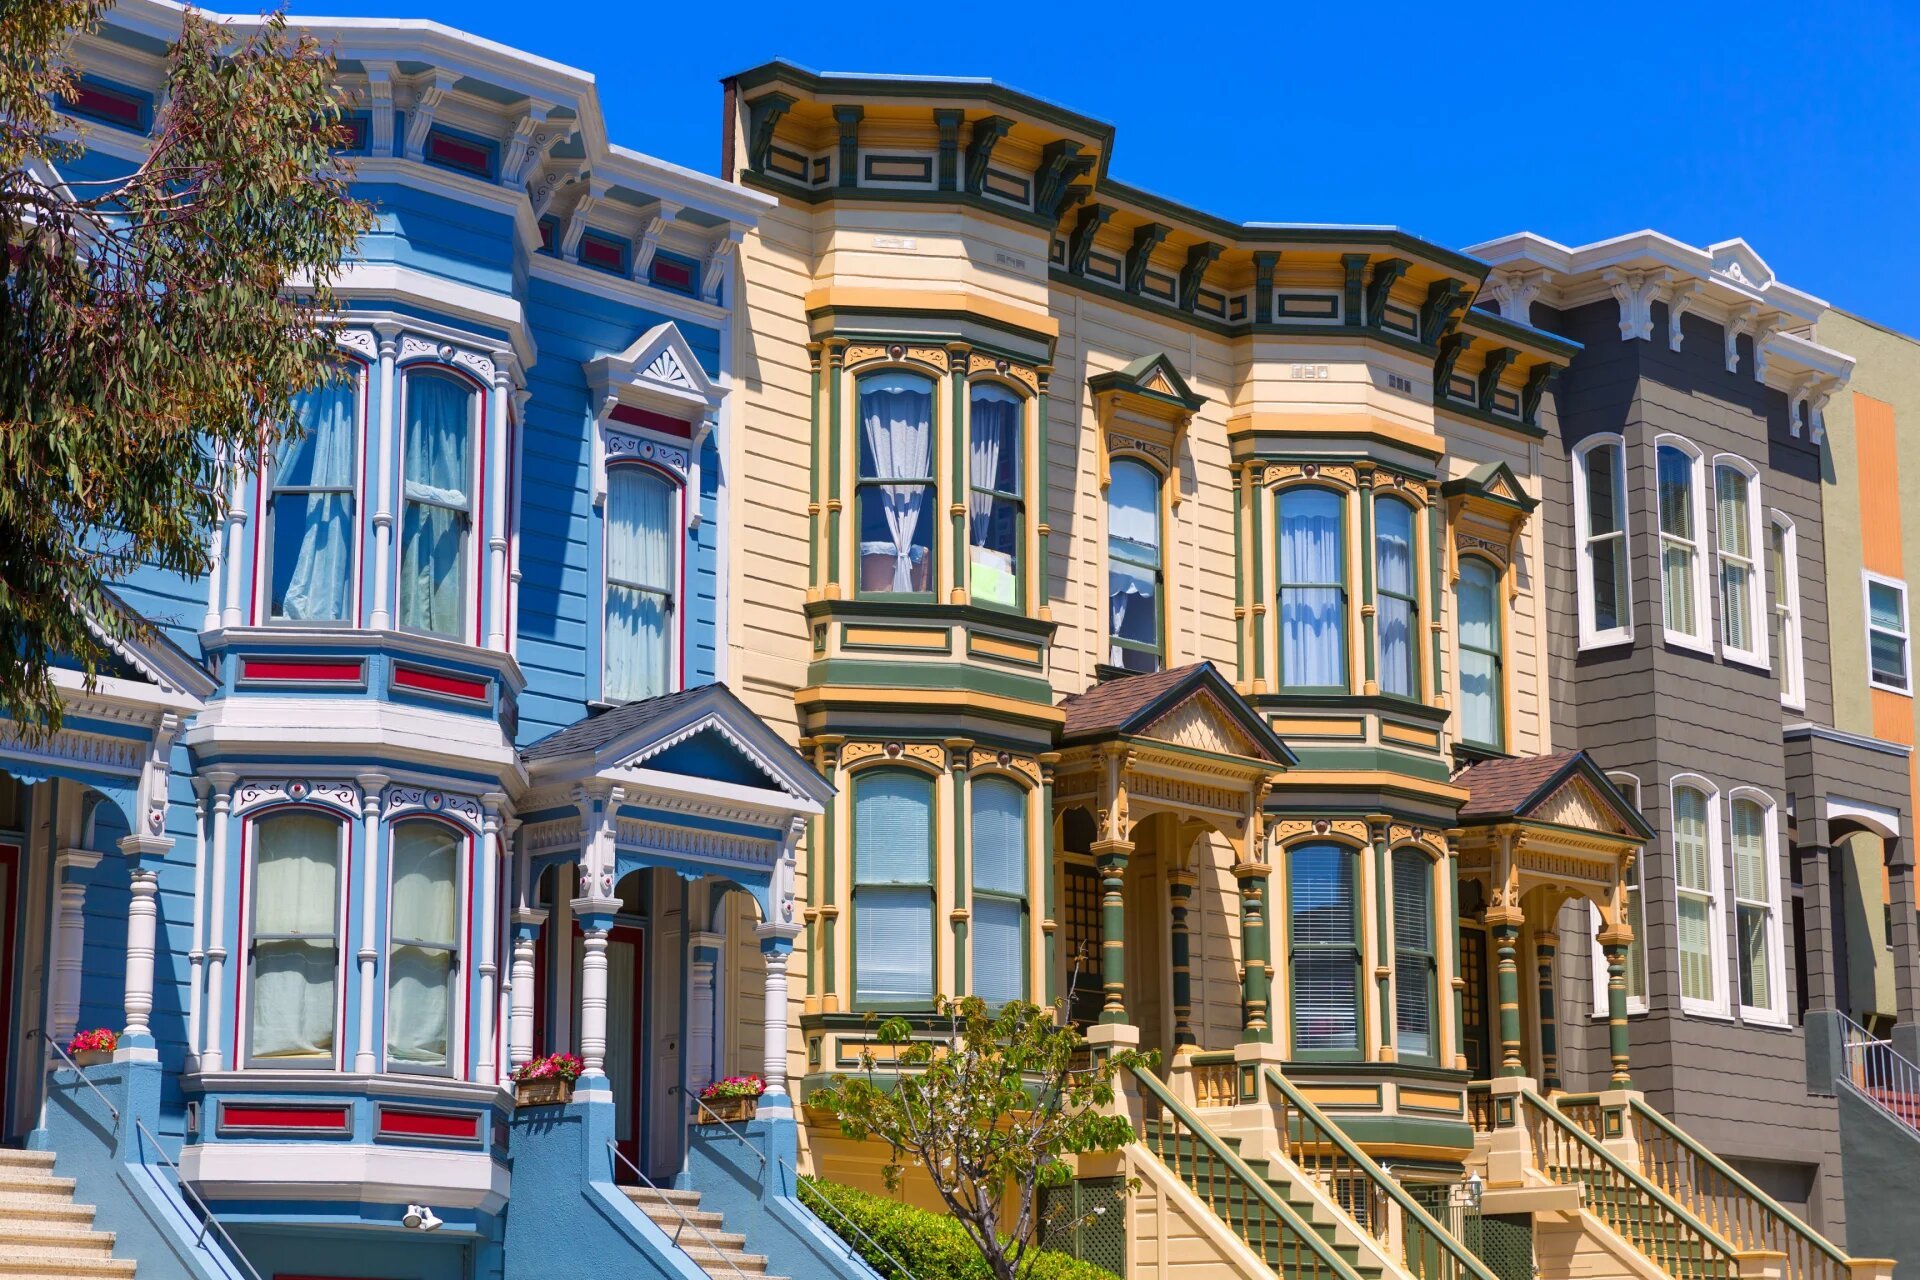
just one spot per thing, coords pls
(990, 1106)
(155, 327)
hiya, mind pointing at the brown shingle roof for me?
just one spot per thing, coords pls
(1498, 788)
(1112, 704)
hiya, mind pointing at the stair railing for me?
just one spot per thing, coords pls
(1881, 1071)
(1318, 1146)
(1243, 1200)
(1738, 1211)
(1651, 1220)
(685, 1222)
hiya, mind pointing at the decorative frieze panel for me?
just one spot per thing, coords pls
(983, 758)
(1174, 793)
(539, 838)
(1121, 442)
(1005, 368)
(1497, 551)
(928, 753)
(415, 347)
(1291, 830)
(1279, 473)
(622, 448)
(402, 800)
(361, 341)
(335, 792)
(867, 352)
(696, 843)
(1401, 833)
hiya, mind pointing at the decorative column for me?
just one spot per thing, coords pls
(1380, 831)
(1259, 497)
(1251, 872)
(1544, 946)
(1617, 1051)
(526, 938)
(489, 1066)
(1816, 879)
(136, 1040)
(1504, 919)
(496, 481)
(1043, 516)
(959, 755)
(221, 784)
(1906, 945)
(836, 360)
(372, 787)
(197, 949)
(776, 947)
(1371, 687)
(236, 543)
(69, 940)
(703, 953)
(1049, 760)
(382, 435)
(1110, 854)
(813, 474)
(959, 557)
(1180, 887)
(594, 910)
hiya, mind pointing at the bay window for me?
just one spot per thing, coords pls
(1682, 571)
(1323, 938)
(894, 492)
(1134, 573)
(1396, 603)
(999, 824)
(1413, 954)
(296, 943)
(437, 503)
(893, 889)
(1600, 530)
(641, 529)
(1477, 626)
(422, 947)
(1755, 895)
(1696, 874)
(1737, 520)
(996, 508)
(310, 517)
(1313, 589)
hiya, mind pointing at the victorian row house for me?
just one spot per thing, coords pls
(703, 614)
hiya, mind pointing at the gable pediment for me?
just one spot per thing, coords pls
(659, 373)
(1200, 723)
(1577, 803)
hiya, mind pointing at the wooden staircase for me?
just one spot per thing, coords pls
(44, 1235)
(699, 1233)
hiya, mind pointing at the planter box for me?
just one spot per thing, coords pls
(731, 1110)
(92, 1057)
(551, 1092)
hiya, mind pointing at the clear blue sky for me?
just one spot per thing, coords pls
(1794, 125)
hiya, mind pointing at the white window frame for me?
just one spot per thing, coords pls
(1591, 635)
(1757, 656)
(1793, 658)
(244, 996)
(473, 554)
(1635, 1004)
(1715, 892)
(463, 927)
(1775, 1012)
(358, 378)
(1703, 593)
(1868, 579)
(677, 540)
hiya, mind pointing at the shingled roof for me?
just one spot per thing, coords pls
(595, 731)
(1510, 788)
(1126, 704)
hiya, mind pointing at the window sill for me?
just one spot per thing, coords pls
(1765, 1019)
(1752, 661)
(1706, 1013)
(1887, 688)
(1605, 640)
(1693, 644)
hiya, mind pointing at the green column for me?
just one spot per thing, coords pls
(813, 488)
(1372, 685)
(827, 858)
(957, 751)
(1241, 558)
(1257, 606)
(1616, 953)
(1380, 829)
(1255, 997)
(1049, 875)
(1543, 952)
(1111, 858)
(1458, 982)
(1436, 533)
(1506, 940)
(1180, 886)
(960, 486)
(835, 353)
(1042, 513)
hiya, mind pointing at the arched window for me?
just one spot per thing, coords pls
(641, 528)
(296, 945)
(996, 503)
(1413, 959)
(1682, 576)
(1134, 567)
(893, 889)
(1477, 622)
(1324, 944)
(1737, 522)
(999, 824)
(1600, 523)
(437, 503)
(894, 494)
(310, 510)
(422, 945)
(1755, 894)
(1397, 606)
(1313, 590)
(1696, 881)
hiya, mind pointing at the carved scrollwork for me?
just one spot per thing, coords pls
(1337, 473)
(864, 352)
(1119, 442)
(256, 792)
(360, 340)
(1403, 833)
(402, 800)
(930, 753)
(977, 363)
(1466, 543)
(622, 447)
(983, 757)
(1288, 830)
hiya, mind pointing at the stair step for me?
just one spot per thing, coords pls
(61, 1262)
(710, 1258)
(15, 1157)
(640, 1195)
(29, 1182)
(16, 1207)
(663, 1215)
(59, 1234)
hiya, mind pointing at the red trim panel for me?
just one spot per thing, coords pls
(464, 1126)
(268, 1116)
(293, 669)
(440, 682)
(652, 421)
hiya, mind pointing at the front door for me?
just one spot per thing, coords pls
(626, 1043)
(1475, 1000)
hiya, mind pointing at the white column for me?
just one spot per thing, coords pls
(211, 1057)
(216, 564)
(526, 937)
(372, 786)
(69, 940)
(593, 1001)
(497, 505)
(383, 435)
(236, 544)
(702, 1059)
(197, 952)
(489, 931)
(143, 920)
(776, 947)
(559, 944)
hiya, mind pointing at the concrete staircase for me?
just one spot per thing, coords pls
(44, 1235)
(701, 1234)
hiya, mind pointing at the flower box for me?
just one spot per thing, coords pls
(548, 1091)
(92, 1057)
(730, 1110)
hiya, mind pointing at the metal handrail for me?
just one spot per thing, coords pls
(1874, 1067)
(685, 1221)
(1416, 1222)
(899, 1267)
(80, 1071)
(206, 1215)
(701, 1105)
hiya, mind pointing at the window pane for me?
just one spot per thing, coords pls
(312, 557)
(1750, 852)
(1676, 492)
(640, 536)
(433, 528)
(1756, 973)
(433, 543)
(999, 952)
(893, 829)
(1609, 583)
(896, 520)
(1886, 606)
(999, 837)
(1133, 513)
(1735, 605)
(1133, 565)
(1325, 1002)
(1603, 490)
(1690, 851)
(322, 457)
(993, 523)
(1313, 630)
(293, 984)
(1393, 567)
(1696, 954)
(1730, 491)
(1133, 597)
(1676, 584)
(295, 897)
(1413, 1005)
(1889, 655)
(420, 977)
(1478, 619)
(1320, 895)
(1412, 902)
(893, 952)
(425, 863)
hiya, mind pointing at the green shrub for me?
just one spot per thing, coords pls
(922, 1245)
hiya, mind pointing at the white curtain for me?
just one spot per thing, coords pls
(1313, 631)
(1393, 569)
(433, 533)
(313, 530)
(1478, 617)
(995, 441)
(1133, 561)
(897, 421)
(296, 953)
(639, 533)
(420, 959)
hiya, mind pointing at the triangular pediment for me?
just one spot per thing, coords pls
(1577, 803)
(1202, 724)
(1154, 377)
(1493, 482)
(1191, 707)
(659, 372)
(1736, 261)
